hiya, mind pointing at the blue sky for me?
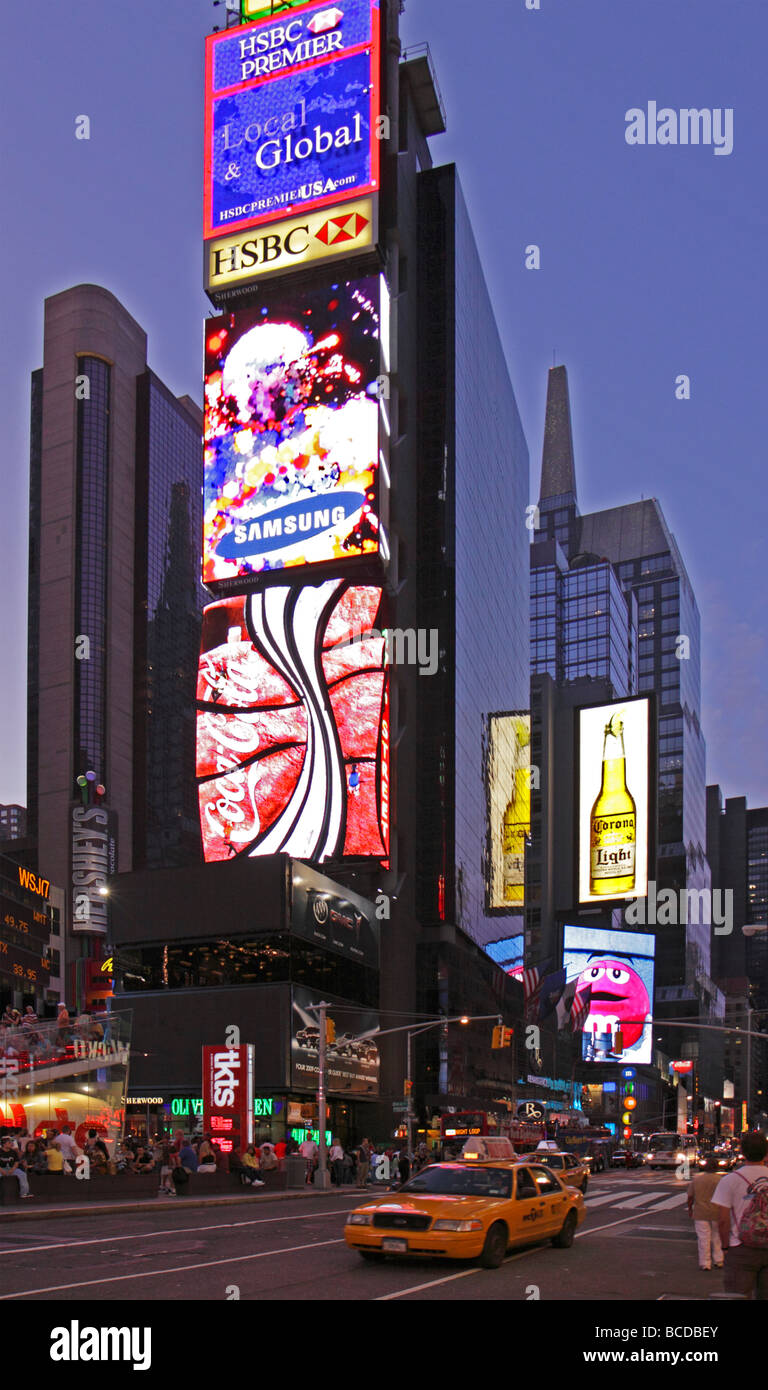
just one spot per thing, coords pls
(652, 264)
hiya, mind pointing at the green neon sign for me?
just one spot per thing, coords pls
(184, 1105)
(300, 1135)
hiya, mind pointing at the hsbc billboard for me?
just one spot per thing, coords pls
(234, 263)
(292, 114)
(228, 1095)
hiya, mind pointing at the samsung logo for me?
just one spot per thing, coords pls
(301, 521)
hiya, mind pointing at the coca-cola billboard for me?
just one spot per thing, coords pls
(293, 724)
(228, 1095)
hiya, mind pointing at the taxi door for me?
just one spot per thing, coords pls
(534, 1216)
(554, 1197)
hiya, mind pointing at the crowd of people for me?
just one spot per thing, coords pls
(364, 1165)
(24, 1034)
(21, 1155)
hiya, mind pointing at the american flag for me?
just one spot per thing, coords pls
(580, 1010)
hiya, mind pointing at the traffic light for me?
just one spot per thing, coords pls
(330, 1030)
(407, 1087)
(627, 1099)
(502, 1037)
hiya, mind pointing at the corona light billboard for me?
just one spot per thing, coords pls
(614, 800)
(508, 795)
(292, 432)
(293, 724)
(614, 975)
(291, 113)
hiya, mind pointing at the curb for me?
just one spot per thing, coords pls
(153, 1204)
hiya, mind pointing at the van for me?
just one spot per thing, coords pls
(490, 1146)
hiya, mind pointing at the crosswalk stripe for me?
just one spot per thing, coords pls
(604, 1201)
(676, 1201)
(640, 1201)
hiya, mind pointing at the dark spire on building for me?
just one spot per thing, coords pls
(558, 473)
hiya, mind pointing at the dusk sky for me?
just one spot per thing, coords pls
(653, 264)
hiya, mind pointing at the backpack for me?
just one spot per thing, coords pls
(753, 1226)
(180, 1177)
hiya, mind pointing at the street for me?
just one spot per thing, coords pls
(295, 1250)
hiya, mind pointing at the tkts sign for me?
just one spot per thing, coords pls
(228, 1095)
(233, 262)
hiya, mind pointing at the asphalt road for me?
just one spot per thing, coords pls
(636, 1243)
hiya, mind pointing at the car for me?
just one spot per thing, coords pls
(573, 1170)
(626, 1158)
(468, 1211)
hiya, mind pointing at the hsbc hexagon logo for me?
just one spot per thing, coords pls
(345, 228)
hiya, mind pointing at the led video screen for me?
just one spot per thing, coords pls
(291, 114)
(614, 974)
(614, 801)
(292, 432)
(508, 794)
(293, 724)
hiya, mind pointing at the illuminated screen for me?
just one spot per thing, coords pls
(616, 969)
(613, 801)
(293, 724)
(352, 1059)
(508, 792)
(292, 432)
(291, 111)
(508, 954)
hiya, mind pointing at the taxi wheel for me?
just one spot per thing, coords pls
(564, 1240)
(495, 1247)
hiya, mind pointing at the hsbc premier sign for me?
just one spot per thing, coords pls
(228, 1095)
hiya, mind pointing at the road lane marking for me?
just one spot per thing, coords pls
(176, 1269)
(463, 1274)
(172, 1231)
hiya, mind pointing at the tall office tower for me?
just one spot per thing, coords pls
(472, 584)
(635, 542)
(115, 513)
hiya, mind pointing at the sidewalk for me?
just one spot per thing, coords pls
(35, 1211)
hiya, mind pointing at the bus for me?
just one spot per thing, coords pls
(460, 1125)
(666, 1149)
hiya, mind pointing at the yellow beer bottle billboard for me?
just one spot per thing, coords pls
(516, 824)
(613, 821)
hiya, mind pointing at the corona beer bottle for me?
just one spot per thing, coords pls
(613, 823)
(516, 822)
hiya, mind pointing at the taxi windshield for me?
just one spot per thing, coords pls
(552, 1160)
(462, 1182)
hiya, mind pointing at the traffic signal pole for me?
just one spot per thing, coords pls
(323, 1176)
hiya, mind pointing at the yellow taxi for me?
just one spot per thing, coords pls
(573, 1170)
(469, 1211)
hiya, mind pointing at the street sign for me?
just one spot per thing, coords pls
(400, 1105)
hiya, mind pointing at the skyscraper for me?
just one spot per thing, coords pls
(574, 606)
(114, 518)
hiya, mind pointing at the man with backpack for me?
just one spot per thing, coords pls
(742, 1199)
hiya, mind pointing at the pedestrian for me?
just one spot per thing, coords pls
(348, 1168)
(404, 1166)
(337, 1162)
(188, 1157)
(309, 1152)
(206, 1157)
(705, 1214)
(363, 1163)
(739, 1195)
(268, 1159)
(54, 1158)
(10, 1166)
(68, 1148)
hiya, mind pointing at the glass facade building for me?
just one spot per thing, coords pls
(91, 547)
(473, 563)
(169, 602)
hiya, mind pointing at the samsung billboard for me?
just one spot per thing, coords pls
(291, 114)
(292, 455)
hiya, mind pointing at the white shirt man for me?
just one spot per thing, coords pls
(67, 1145)
(746, 1267)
